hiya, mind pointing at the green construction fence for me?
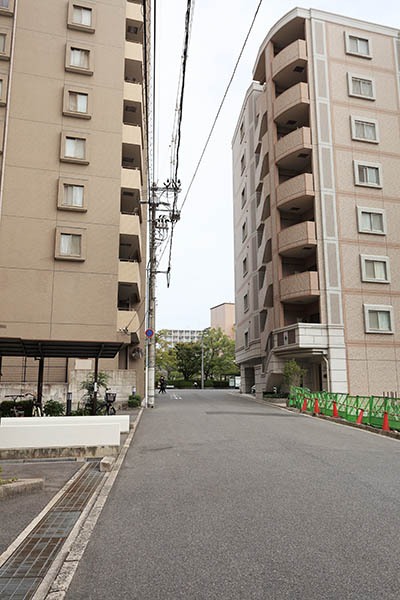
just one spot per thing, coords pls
(349, 407)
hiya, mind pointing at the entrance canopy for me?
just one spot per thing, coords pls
(58, 349)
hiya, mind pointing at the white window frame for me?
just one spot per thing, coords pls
(368, 209)
(383, 259)
(350, 86)
(378, 307)
(353, 119)
(363, 163)
(348, 35)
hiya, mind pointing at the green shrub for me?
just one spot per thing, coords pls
(79, 412)
(7, 408)
(134, 400)
(53, 408)
(277, 395)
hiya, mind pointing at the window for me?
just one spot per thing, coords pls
(3, 91)
(360, 46)
(244, 231)
(371, 220)
(74, 148)
(70, 243)
(241, 132)
(246, 339)
(4, 3)
(367, 174)
(3, 42)
(378, 318)
(246, 302)
(79, 59)
(364, 130)
(242, 165)
(78, 102)
(72, 194)
(361, 87)
(7, 7)
(82, 16)
(375, 269)
(243, 196)
(244, 266)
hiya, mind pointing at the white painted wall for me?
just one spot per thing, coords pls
(60, 436)
(122, 420)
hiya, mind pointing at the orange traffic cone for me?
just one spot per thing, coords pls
(385, 425)
(360, 416)
(304, 405)
(335, 410)
(316, 407)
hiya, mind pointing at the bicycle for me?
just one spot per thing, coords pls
(37, 409)
(17, 411)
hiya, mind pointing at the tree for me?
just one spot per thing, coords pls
(165, 356)
(293, 373)
(219, 354)
(188, 359)
(88, 385)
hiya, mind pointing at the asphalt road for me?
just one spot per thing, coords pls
(220, 497)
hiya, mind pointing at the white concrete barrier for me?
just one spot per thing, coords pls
(60, 436)
(122, 420)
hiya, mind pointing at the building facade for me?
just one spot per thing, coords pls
(316, 157)
(73, 171)
(222, 317)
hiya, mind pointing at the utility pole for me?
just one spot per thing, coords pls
(158, 233)
(202, 360)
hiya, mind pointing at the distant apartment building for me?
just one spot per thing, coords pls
(223, 316)
(182, 336)
(73, 171)
(316, 163)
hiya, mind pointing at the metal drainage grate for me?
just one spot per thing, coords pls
(23, 572)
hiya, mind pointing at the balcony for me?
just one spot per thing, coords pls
(129, 274)
(131, 179)
(298, 240)
(132, 134)
(133, 51)
(289, 66)
(292, 150)
(128, 320)
(296, 194)
(292, 106)
(300, 287)
(130, 244)
(134, 11)
(312, 336)
(133, 92)
(263, 209)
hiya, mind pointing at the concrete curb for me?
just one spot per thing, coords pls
(58, 579)
(21, 486)
(58, 452)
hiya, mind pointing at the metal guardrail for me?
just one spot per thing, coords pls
(369, 410)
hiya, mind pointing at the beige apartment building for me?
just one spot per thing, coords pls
(316, 174)
(73, 175)
(223, 316)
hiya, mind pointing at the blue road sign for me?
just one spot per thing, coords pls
(149, 333)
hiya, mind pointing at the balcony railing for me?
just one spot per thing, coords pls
(134, 51)
(128, 321)
(302, 287)
(132, 134)
(297, 240)
(134, 11)
(129, 272)
(292, 56)
(132, 91)
(303, 335)
(296, 193)
(296, 96)
(293, 143)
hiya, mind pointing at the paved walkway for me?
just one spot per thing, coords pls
(223, 498)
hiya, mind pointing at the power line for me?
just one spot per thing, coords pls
(221, 105)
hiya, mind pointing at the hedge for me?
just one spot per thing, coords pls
(7, 406)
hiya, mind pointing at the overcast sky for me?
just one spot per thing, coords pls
(202, 265)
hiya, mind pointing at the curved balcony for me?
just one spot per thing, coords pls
(297, 240)
(300, 288)
(293, 149)
(296, 194)
(289, 66)
(292, 105)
